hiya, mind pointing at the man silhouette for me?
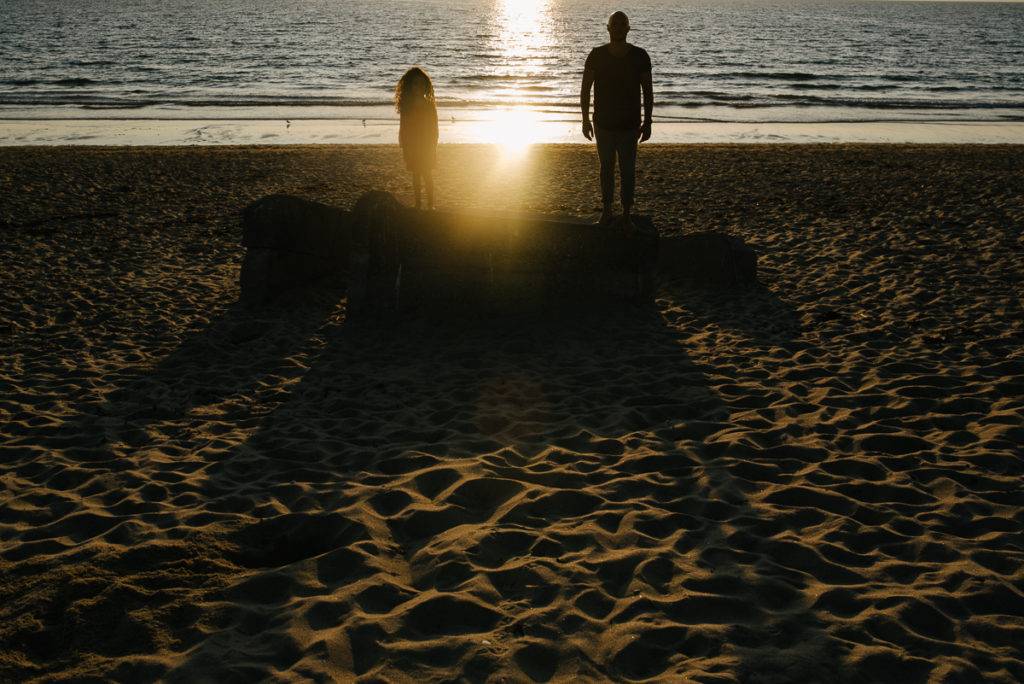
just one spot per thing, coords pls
(619, 72)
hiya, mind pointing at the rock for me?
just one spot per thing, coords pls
(291, 242)
(404, 259)
(374, 274)
(393, 258)
(710, 260)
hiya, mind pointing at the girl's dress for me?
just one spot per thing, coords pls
(417, 134)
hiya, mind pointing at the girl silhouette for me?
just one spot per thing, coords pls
(417, 132)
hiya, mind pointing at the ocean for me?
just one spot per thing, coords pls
(737, 61)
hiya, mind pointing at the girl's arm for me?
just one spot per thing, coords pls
(433, 123)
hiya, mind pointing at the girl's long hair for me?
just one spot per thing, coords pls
(405, 84)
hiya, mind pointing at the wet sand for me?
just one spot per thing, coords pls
(379, 125)
(816, 481)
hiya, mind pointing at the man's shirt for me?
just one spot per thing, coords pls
(617, 86)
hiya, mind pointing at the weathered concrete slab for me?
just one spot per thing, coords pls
(405, 259)
(397, 259)
(291, 243)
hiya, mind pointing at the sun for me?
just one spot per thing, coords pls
(513, 130)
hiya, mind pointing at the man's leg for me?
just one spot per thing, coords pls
(606, 153)
(626, 145)
(416, 187)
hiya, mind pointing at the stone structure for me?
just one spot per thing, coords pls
(291, 242)
(404, 259)
(396, 259)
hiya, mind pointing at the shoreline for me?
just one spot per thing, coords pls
(513, 128)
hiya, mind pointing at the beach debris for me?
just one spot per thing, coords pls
(393, 258)
(453, 261)
(290, 243)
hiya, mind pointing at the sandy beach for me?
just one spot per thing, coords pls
(819, 480)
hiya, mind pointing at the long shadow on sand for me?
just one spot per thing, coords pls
(119, 473)
(530, 496)
(507, 496)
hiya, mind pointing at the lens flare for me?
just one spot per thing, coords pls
(513, 130)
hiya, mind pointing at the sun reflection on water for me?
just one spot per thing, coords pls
(523, 35)
(523, 26)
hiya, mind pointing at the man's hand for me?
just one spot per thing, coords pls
(588, 81)
(644, 132)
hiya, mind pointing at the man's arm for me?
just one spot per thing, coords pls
(588, 81)
(648, 88)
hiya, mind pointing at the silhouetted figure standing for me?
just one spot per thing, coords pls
(619, 73)
(417, 130)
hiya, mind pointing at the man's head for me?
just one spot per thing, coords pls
(618, 26)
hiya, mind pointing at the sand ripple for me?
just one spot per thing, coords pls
(818, 481)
